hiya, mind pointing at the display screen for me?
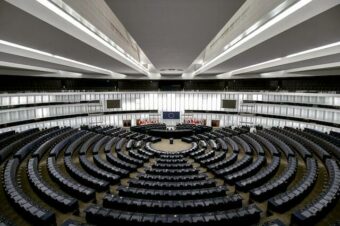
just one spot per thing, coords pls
(229, 104)
(171, 114)
(113, 104)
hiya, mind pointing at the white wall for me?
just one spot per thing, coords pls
(174, 101)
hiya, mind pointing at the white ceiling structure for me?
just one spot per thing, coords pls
(169, 39)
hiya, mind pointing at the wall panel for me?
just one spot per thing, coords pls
(323, 107)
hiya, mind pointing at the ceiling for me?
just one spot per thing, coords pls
(172, 34)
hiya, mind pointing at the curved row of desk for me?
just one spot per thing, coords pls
(106, 176)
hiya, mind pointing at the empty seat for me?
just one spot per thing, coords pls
(241, 216)
(315, 210)
(31, 210)
(59, 200)
(69, 185)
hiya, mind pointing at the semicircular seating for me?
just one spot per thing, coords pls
(108, 175)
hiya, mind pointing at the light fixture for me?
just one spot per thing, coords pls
(89, 29)
(253, 31)
(314, 49)
(252, 66)
(31, 50)
(290, 56)
(273, 74)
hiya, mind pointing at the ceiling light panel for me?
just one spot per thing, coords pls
(281, 18)
(24, 51)
(321, 51)
(241, 39)
(80, 28)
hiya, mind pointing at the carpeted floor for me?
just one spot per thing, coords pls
(165, 145)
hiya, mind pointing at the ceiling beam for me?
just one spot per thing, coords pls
(291, 16)
(27, 52)
(50, 13)
(318, 52)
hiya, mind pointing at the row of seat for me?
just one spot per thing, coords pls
(183, 165)
(155, 171)
(327, 142)
(177, 178)
(276, 185)
(222, 144)
(245, 146)
(77, 143)
(291, 197)
(18, 198)
(48, 145)
(144, 152)
(105, 165)
(198, 152)
(232, 143)
(299, 148)
(69, 185)
(23, 204)
(172, 194)
(171, 156)
(219, 156)
(241, 216)
(84, 177)
(11, 142)
(63, 202)
(172, 186)
(138, 183)
(129, 159)
(7, 134)
(117, 162)
(166, 160)
(138, 155)
(318, 150)
(248, 171)
(213, 144)
(93, 169)
(266, 143)
(119, 145)
(97, 172)
(15, 142)
(283, 147)
(223, 163)
(173, 206)
(260, 177)
(56, 150)
(315, 210)
(253, 143)
(245, 161)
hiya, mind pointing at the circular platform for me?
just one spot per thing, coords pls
(165, 145)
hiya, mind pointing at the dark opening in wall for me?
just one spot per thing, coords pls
(42, 84)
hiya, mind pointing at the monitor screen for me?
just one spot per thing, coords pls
(113, 104)
(229, 104)
(171, 114)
